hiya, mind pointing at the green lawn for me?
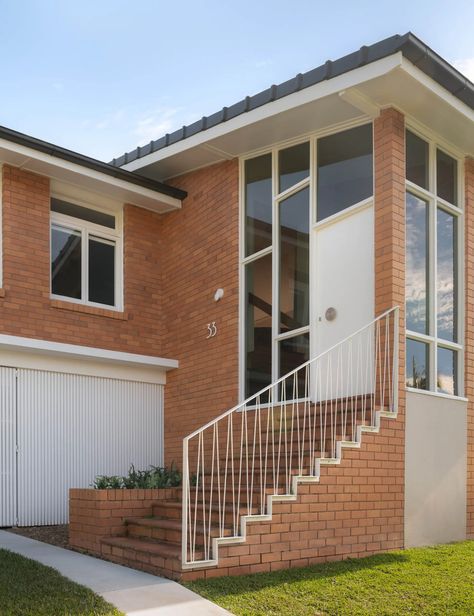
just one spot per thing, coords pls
(437, 580)
(28, 588)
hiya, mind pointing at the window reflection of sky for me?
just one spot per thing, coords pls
(416, 264)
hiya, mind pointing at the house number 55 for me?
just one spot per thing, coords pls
(212, 329)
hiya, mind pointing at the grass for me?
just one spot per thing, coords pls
(437, 580)
(28, 588)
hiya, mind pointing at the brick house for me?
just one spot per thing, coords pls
(305, 258)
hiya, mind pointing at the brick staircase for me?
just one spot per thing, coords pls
(153, 543)
(299, 473)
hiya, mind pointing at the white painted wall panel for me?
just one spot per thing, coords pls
(7, 447)
(74, 427)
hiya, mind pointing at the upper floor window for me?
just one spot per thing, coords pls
(85, 254)
(433, 223)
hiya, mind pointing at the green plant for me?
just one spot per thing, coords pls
(153, 477)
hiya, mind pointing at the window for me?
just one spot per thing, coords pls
(85, 254)
(433, 219)
(345, 170)
(276, 249)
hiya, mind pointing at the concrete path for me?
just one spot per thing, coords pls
(133, 592)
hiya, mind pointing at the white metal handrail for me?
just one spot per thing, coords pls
(256, 449)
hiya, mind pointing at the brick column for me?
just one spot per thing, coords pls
(389, 222)
(469, 338)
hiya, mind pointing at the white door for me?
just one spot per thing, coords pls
(344, 285)
(7, 447)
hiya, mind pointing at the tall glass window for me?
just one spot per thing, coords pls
(434, 348)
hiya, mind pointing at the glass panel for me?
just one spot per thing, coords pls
(258, 204)
(293, 353)
(345, 170)
(417, 365)
(84, 213)
(446, 177)
(101, 271)
(417, 153)
(66, 262)
(446, 275)
(294, 261)
(416, 264)
(293, 165)
(447, 377)
(258, 324)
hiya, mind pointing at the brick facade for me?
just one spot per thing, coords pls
(469, 338)
(389, 221)
(200, 255)
(27, 309)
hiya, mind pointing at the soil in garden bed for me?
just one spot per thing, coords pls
(55, 535)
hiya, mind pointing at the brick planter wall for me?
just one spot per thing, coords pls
(95, 514)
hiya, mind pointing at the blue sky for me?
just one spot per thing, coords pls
(101, 77)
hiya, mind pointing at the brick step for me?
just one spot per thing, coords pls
(156, 529)
(172, 510)
(158, 558)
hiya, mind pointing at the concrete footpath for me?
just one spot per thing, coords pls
(133, 592)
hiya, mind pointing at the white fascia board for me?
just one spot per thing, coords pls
(57, 167)
(437, 89)
(320, 90)
(75, 351)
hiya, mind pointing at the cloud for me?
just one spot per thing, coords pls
(156, 123)
(466, 66)
(115, 118)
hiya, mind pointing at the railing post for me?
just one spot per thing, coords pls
(184, 518)
(396, 358)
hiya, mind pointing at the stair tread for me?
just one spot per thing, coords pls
(165, 549)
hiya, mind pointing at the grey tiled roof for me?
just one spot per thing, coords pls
(411, 47)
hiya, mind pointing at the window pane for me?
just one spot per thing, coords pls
(84, 213)
(66, 262)
(416, 264)
(345, 174)
(294, 261)
(416, 160)
(293, 353)
(258, 324)
(101, 271)
(446, 275)
(293, 165)
(446, 177)
(447, 378)
(258, 203)
(417, 365)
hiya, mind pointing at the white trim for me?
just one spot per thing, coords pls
(346, 213)
(437, 394)
(73, 173)
(312, 93)
(75, 351)
(437, 89)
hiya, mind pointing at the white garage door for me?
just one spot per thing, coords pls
(70, 428)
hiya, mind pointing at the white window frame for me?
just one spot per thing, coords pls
(273, 249)
(434, 203)
(88, 229)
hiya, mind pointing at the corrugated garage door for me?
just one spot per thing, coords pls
(72, 428)
(7, 446)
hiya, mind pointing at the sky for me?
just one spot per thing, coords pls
(101, 77)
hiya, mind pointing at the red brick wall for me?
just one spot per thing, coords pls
(469, 338)
(27, 310)
(201, 254)
(96, 514)
(389, 151)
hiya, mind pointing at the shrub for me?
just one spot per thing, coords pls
(153, 477)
